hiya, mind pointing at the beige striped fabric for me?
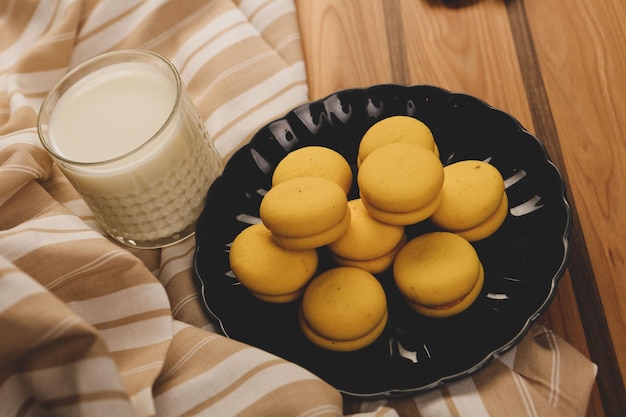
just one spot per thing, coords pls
(90, 328)
(542, 376)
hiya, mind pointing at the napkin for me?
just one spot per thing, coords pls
(91, 328)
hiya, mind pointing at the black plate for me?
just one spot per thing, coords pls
(523, 260)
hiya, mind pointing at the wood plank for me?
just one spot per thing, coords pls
(453, 48)
(344, 44)
(580, 49)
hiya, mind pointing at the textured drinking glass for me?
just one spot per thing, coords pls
(124, 131)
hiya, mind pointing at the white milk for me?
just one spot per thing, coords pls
(111, 112)
(139, 189)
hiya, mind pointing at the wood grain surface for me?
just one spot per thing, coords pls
(560, 69)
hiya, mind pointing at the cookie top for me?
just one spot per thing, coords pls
(344, 304)
(471, 193)
(264, 267)
(400, 177)
(366, 237)
(303, 206)
(317, 161)
(436, 269)
(396, 129)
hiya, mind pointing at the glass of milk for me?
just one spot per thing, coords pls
(123, 129)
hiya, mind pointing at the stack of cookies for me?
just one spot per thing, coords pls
(401, 182)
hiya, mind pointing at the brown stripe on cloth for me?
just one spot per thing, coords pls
(595, 325)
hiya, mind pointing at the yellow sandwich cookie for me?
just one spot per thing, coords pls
(317, 161)
(396, 129)
(343, 309)
(402, 180)
(367, 243)
(305, 212)
(269, 271)
(439, 274)
(474, 201)
(404, 218)
(317, 240)
(374, 266)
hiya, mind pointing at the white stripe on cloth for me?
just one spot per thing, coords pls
(139, 334)
(178, 326)
(467, 399)
(509, 358)
(221, 43)
(136, 300)
(41, 19)
(18, 100)
(173, 29)
(188, 355)
(42, 232)
(143, 406)
(295, 37)
(78, 207)
(241, 66)
(209, 327)
(15, 287)
(190, 298)
(248, 7)
(94, 265)
(233, 136)
(249, 100)
(146, 367)
(272, 12)
(7, 11)
(371, 405)
(112, 34)
(227, 377)
(254, 389)
(529, 406)
(107, 11)
(206, 34)
(176, 259)
(14, 393)
(20, 390)
(432, 404)
(57, 331)
(24, 169)
(555, 372)
(37, 82)
(24, 136)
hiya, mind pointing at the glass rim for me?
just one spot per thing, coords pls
(95, 60)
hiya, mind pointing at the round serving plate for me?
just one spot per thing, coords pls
(523, 260)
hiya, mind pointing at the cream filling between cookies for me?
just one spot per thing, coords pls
(375, 329)
(280, 298)
(488, 226)
(345, 220)
(357, 258)
(404, 217)
(468, 298)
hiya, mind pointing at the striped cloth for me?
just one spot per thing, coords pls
(90, 328)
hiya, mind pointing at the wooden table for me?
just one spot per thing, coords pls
(560, 69)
